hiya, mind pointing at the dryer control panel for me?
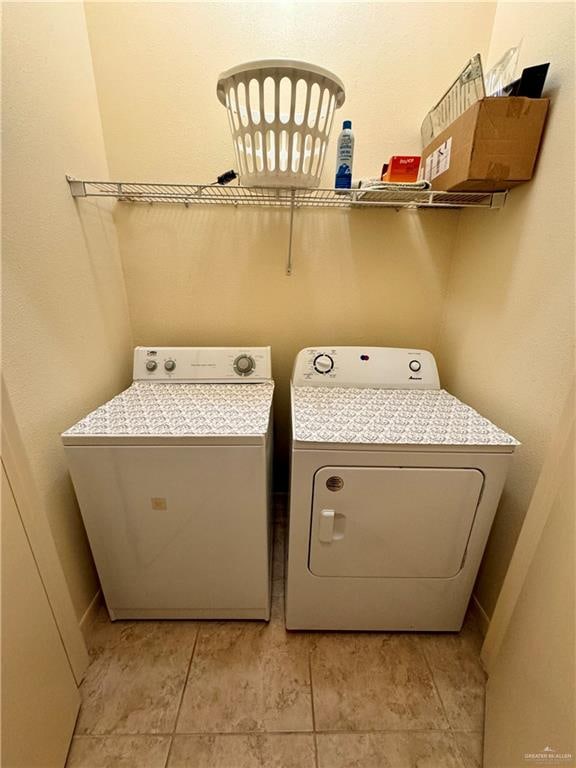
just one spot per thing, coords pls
(373, 367)
(209, 365)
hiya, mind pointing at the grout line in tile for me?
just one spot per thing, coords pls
(327, 731)
(116, 735)
(240, 733)
(457, 745)
(312, 706)
(182, 697)
(107, 735)
(322, 731)
(458, 750)
(422, 652)
(169, 752)
(452, 728)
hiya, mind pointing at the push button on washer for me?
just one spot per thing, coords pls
(414, 365)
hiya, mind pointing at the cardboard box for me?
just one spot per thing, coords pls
(491, 147)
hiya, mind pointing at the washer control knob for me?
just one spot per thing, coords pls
(244, 365)
(170, 365)
(415, 365)
(151, 365)
(323, 364)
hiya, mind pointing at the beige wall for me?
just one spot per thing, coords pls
(530, 697)
(157, 65)
(218, 276)
(506, 341)
(66, 337)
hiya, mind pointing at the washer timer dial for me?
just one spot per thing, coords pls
(244, 365)
(323, 364)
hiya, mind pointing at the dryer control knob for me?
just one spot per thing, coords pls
(323, 364)
(170, 365)
(244, 365)
(151, 365)
(415, 365)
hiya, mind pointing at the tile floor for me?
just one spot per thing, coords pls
(250, 695)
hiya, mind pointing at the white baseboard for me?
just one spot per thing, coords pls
(90, 614)
(481, 615)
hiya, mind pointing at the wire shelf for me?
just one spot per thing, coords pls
(215, 194)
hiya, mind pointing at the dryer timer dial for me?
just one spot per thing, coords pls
(323, 364)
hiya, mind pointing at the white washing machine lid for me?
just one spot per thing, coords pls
(339, 416)
(149, 412)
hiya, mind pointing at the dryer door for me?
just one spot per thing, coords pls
(392, 521)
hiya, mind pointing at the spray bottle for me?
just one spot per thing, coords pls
(344, 156)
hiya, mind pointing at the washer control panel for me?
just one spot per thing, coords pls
(211, 365)
(373, 367)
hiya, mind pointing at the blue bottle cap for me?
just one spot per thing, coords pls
(347, 124)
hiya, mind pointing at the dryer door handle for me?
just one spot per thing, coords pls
(331, 526)
(326, 525)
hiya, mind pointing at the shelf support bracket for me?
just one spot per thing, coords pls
(291, 230)
(498, 199)
(77, 188)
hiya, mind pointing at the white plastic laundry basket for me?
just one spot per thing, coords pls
(280, 114)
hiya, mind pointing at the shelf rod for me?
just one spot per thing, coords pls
(289, 263)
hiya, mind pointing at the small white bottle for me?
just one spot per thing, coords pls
(344, 156)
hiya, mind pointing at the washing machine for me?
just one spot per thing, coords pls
(173, 481)
(394, 487)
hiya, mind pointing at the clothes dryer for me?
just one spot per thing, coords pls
(394, 487)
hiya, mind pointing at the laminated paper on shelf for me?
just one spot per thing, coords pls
(150, 410)
(395, 416)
